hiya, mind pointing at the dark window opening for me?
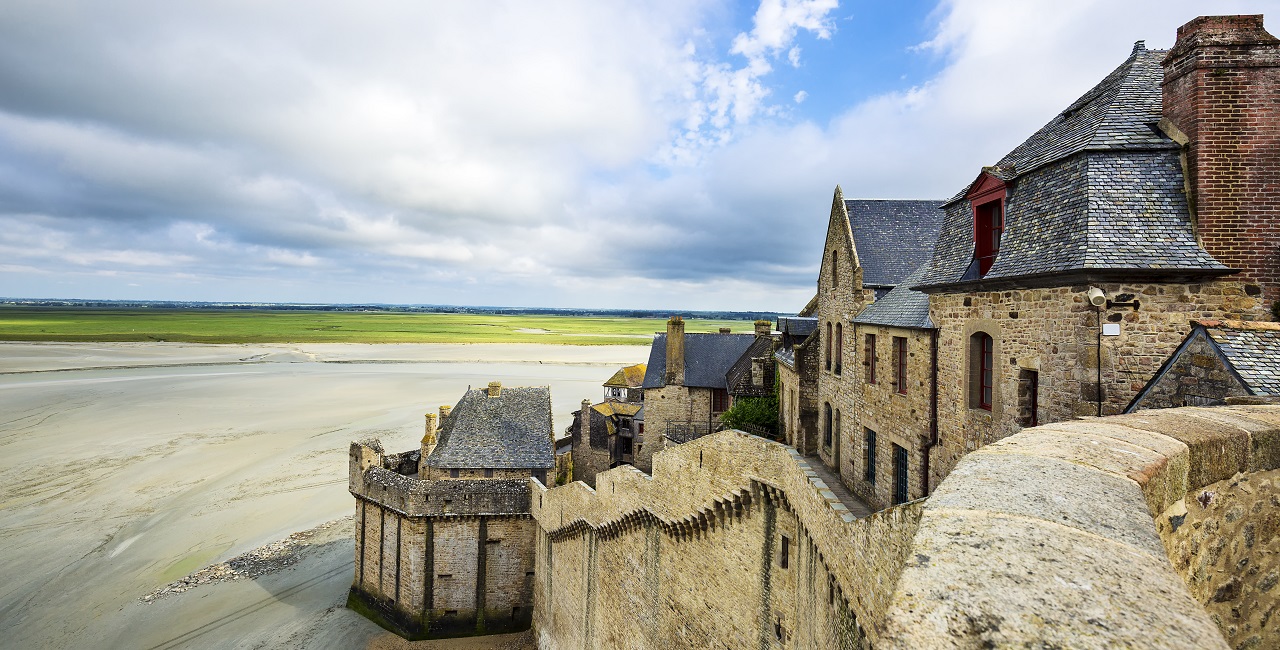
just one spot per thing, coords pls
(624, 446)
(839, 347)
(869, 473)
(899, 475)
(784, 559)
(826, 425)
(988, 225)
(488, 473)
(515, 613)
(1028, 398)
(827, 349)
(900, 363)
(870, 353)
(981, 370)
(453, 473)
(835, 270)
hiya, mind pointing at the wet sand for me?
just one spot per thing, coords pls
(128, 466)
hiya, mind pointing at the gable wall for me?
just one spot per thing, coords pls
(1196, 377)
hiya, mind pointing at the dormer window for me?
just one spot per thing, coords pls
(986, 195)
(988, 224)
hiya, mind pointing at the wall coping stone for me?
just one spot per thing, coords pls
(1044, 539)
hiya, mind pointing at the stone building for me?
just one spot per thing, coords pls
(604, 436)
(626, 385)
(1064, 275)
(870, 252)
(1217, 360)
(691, 379)
(444, 540)
(797, 370)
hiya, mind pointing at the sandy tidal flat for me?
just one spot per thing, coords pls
(126, 467)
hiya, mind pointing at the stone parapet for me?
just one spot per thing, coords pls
(1048, 538)
(728, 481)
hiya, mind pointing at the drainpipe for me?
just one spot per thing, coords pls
(933, 408)
(1099, 312)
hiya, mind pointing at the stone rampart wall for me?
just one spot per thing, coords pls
(638, 561)
(1049, 538)
(1224, 540)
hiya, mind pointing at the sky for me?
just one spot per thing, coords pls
(667, 154)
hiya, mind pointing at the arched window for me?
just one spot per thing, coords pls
(826, 425)
(839, 347)
(828, 348)
(981, 370)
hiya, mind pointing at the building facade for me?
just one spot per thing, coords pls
(1063, 276)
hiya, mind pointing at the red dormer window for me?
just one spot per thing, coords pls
(986, 195)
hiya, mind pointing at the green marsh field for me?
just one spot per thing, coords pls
(289, 326)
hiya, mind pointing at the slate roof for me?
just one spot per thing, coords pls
(707, 359)
(892, 237)
(1099, 189)
(1253, 349)
(628, 377)
(510, 431)
(786, 356)
(738, 376)
(797, 326)
(902, 307)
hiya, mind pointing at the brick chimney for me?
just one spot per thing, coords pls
(1222, 103)
(675, 352)
(764, 328)
(725, 330)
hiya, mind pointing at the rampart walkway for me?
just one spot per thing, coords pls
(855, 505)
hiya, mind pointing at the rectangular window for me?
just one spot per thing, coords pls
(827, 349)
(784, 558)
(985, 373)
(870, 353)
(988, 225)
(453, 473)
(899, 475)
(839, 347)
(900, 363)
(488, 473)
(624, 446)
(719, 400)
(869, 473)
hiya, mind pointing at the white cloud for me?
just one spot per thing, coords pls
(587, 153)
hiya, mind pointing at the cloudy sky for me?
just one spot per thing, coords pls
(664, 154)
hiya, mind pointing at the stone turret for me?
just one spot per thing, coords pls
(1221, 82)
(428, 441)
(675, 352)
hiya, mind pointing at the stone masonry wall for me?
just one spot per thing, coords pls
(641, 560)
(1198, 374)
(1054, 333)
(441, 558)
(896, 418)
(1224, 540)
(671, 405)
